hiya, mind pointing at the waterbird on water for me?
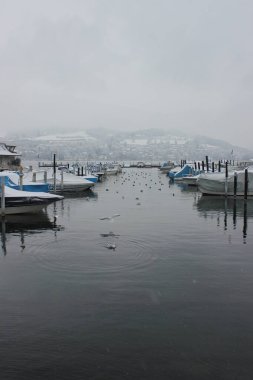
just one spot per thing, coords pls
(109, 217)
(111, 246)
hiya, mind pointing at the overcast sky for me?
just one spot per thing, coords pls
(127, 64)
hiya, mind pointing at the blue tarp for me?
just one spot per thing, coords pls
(186, 170)
(34, 187)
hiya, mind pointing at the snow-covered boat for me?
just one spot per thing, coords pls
(13, 180)
(113, 169)
(90, 177)
(65, 182)
(24, 202)
(179, 172)
(166, 167)
(190, 180)
(218, 184)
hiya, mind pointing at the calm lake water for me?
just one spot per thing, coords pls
(138, 279)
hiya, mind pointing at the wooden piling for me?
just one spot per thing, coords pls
(207, 164)
(203, 165)
(2, 195)
(21, 176)
(62, 182)
(235, 184)
(246, 181)
(226, 179)
(213, 167)
(219, 166)
(54, 166)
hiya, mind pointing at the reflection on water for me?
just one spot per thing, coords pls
(209, 206)
(26, 223)
(88, 194)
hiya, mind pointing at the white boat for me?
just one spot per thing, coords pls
(65, 182)
(190, 180)
(24, 202)
(218, 184)
(113, 169)
(166, 167)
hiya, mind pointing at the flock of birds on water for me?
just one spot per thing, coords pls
(134, 179)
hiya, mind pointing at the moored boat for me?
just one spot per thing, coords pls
(219, 184)
(22, 202)
(64, 181)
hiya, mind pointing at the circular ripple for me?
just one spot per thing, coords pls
(78, 255)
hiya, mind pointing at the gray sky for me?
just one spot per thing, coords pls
(128, 64)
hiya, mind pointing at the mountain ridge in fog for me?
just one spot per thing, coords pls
(108, 144)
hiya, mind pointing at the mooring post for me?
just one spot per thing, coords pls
(78, 171)
(226, 179)
(207, 164)
(203, 165)
(246, 184)
(213, 167)
(82, 170)
(3, 196)
(21, 176)
(62, 183)
(235, 184)
(219, 166)
(54, 164)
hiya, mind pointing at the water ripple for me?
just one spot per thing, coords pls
(78, 255)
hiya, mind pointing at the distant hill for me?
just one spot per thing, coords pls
(148, 144)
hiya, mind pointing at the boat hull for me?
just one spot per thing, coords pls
(217, 184)
(25, 209)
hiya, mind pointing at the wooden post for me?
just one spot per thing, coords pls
(226, 179)
(54, 165)
(207, 164)
(21, 176)
(195, 165)
(219, 166)
(213, 167)
(203, 165)
(235, 184)
(62, 183)
(78, 171)
(3, 196)
(82, 170)
(198, 165)
(246, 184)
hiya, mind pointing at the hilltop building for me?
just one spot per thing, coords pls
(9, 158)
